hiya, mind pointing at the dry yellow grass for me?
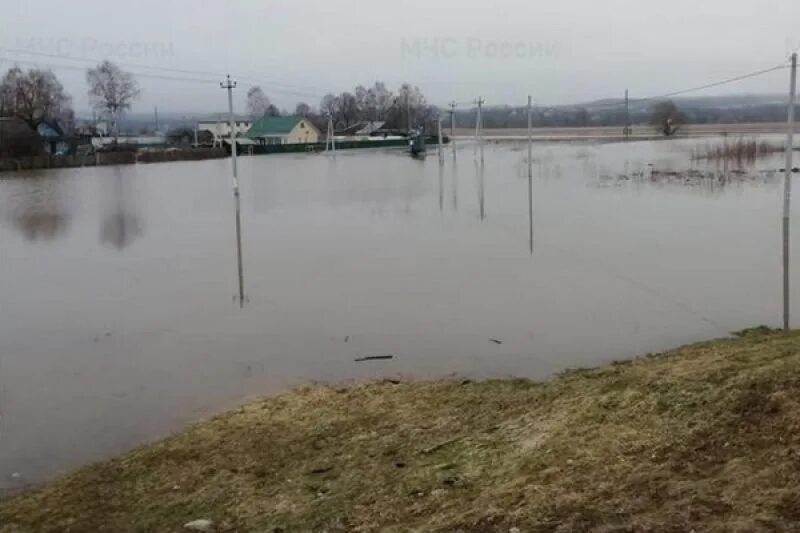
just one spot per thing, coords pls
(704, 438)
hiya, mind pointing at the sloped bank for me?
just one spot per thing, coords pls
(704, 438)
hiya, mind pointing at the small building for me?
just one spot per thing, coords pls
(292, 129)
(53, 139)
(220, 127)
(361, 129)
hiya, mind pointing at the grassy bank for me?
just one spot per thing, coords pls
(706, 437)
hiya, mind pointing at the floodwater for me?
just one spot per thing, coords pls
(120, 318)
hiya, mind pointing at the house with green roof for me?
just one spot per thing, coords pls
(292, 129)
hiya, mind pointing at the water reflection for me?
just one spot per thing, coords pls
(39, 208)
(121, 226)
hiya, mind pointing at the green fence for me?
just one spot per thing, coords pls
(260, 149)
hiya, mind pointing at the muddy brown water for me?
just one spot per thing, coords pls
(119, 315)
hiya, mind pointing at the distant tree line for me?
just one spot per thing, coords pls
(405, 108)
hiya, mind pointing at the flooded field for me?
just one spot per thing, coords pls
(120, 318)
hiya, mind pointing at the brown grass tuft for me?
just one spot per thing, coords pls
(738, 149)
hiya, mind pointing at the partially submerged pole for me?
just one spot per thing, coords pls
(478, 124)
(787, 189)
(239, 251)
(453, 126)
(627, 130)
(439, 133)
(230, 85)
(330, 138)
(530, 177)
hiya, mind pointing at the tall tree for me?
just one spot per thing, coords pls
(347, 107)
(328, 105)
(302, 109)
(364, 110)
(111, 90)
(410, 107)
(33, 96)
(383, 99)
(257, 102)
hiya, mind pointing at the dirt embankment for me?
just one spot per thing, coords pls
(702, 438)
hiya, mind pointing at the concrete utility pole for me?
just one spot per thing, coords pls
(627, 131)
(155, 112)
(453, 125)
(408, 115)
(230, 85)
(787, 189)
(330, 137)
(479, 126)
(439, 133)
(530, 174)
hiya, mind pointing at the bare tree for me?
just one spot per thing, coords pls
(667, 118)
(410, 104)
(9, 86)
(347, 107)
(383, 99)
(33, 96)
(365, 110)
(302, 109)
(328, 106)
(111, 90)
(257, 102)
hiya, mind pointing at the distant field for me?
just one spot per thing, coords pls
(616, 131)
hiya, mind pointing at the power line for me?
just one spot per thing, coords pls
(718, 83)
(272, 84)
(691, 89)
(601, 106)
(83, 69)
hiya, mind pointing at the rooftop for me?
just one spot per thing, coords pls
(273, 126)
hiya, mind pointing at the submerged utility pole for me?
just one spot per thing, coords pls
(530, 175)
(230, 85)
(787, 189)
(627, 131)
(453, 125)
(330, 137)
(439, 133)
(479, 126)
(408, 116)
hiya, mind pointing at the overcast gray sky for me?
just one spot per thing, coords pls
(562, 51)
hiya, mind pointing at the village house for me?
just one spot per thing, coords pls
(284, 130)
(220, 127)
